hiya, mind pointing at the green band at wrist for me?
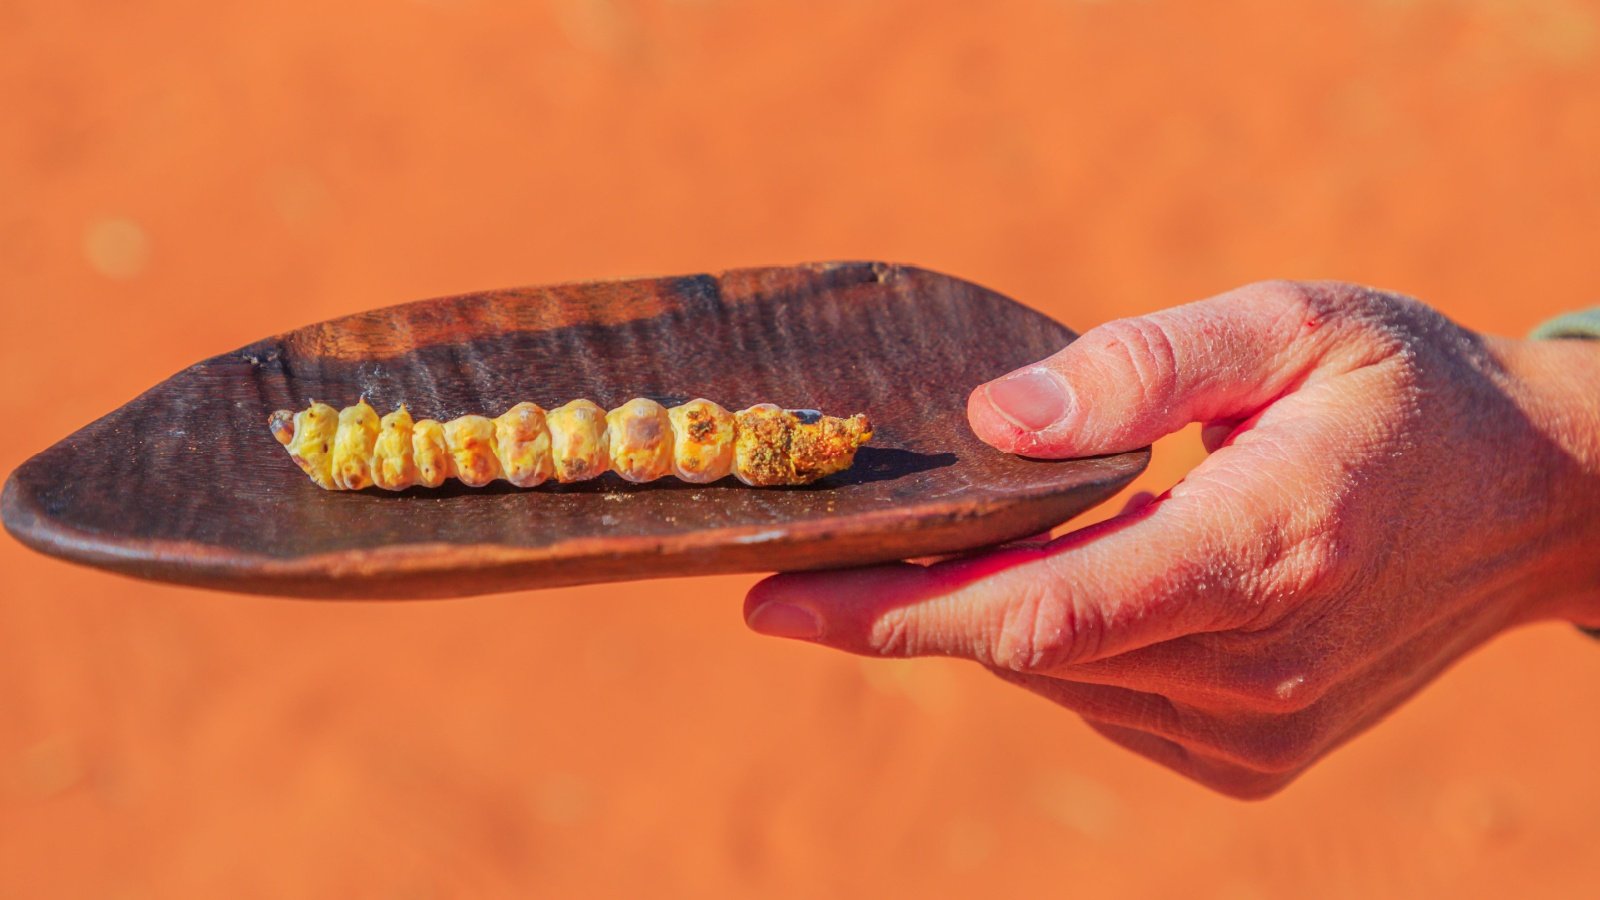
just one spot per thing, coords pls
(1584, 324)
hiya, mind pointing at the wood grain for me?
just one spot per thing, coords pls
(185, 484)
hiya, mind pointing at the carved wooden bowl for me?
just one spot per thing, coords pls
(185, 483)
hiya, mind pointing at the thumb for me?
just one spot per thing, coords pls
(1126, 383)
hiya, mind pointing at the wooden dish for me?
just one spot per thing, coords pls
(185, 483)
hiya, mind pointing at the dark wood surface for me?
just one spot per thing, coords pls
(186, 484)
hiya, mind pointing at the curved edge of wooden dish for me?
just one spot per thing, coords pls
(431, 571)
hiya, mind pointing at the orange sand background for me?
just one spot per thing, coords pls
(177, 179)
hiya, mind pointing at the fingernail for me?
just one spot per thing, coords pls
(1033, 400)
(785, 621)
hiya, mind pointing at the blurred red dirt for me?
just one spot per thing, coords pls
(177, 179)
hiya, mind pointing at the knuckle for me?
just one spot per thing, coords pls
(1386, 322)
(1303, 307)
(1295, 296)
(1293, 566)
(1316, 302)
(1040, 630)
(893, 636)
(1324, 565)
(1279, 690)
(1319, 562)
(1279, 671)
(1301, 564)
(1142, 348)
(1387, 325)
(1279, 744)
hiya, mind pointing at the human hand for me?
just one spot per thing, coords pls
(1386, 491)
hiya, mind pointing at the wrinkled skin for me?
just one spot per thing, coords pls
(1386, 491)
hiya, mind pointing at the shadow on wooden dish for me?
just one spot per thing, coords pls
(185, 484)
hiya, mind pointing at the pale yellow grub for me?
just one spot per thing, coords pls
(522, 444)
(640, 440)
(578, 440)
(311, 446)
(702, 441)
(392, 468)
(430, 453)
(763, 446)
(471, 440)
(352, 446)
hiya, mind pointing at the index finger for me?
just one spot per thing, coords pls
(1153, 574)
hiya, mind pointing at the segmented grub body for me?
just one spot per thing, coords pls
(763, 446)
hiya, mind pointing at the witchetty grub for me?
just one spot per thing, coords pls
(699, 441)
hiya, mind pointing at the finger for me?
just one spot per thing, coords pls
(1124, 384)
(1156, 574)
(1215, 434)
(1196, 671)
(1201, 736)
(1230, 546)
(1150, 713)
(1138, 501)
(1228, 673)
(1235, 781)
(1299, 662)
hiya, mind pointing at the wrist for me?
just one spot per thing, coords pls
(1557, 386)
